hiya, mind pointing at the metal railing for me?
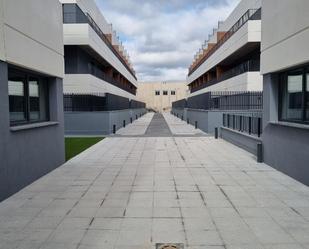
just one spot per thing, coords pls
(182, 103)
(103, 76)
(250, 123)
(247, 66)
(251, 14)
(92, 102)
(83, 102)
(103, 37)
(227, 101)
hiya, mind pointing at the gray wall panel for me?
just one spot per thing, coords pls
(26, 155)
(242, 140)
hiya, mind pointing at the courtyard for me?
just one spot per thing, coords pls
(137, 189)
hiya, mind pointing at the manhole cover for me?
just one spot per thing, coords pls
(169, 246)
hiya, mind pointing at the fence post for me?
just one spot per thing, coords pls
(250, 121)
(181, 117)
(259, 153)
(216, 133)
(114, 129)
(188, 121)
(259, 127)
(195, 124)
(136, 117)
(131, 120)
(124, 123)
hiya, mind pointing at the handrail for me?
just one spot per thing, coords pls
(251, 14)
(103, 37)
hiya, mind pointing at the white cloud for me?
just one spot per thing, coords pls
(163, 36)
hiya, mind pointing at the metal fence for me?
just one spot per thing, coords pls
(95, 102)
(83, 102)
(227, 101)
(182, 103)
(250, 123)
(134, 104)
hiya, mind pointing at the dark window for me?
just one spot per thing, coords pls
(173, 93)
(28, 97)
(165, 92)
(157, 92)
(294, 101)
(17, 99)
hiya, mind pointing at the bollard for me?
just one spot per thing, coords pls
(136, 117)
(195, 124)
(216, 133)
(131, 120)
(181, 117)
(259, 153)
(124, 123)
(114, 129)
(188, 121)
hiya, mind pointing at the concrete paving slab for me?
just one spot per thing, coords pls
(135, 192)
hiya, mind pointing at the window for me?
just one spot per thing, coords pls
(173, 93)
(28, 97)
(157, 92)
(294, 96)
(165, 92)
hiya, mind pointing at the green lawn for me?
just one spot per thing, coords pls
(76, 145)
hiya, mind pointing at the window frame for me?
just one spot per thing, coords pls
(157, 92)
(173, 92)
(27, 76)
(283, 81)
(165, 93)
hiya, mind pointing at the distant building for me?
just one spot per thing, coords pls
(160, 95)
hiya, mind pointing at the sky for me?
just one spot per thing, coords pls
(162, 36)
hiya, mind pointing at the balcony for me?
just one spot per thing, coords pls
(247, 66)
(72, 14)
(251, 14)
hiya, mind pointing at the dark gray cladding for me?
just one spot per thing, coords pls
(28, 154)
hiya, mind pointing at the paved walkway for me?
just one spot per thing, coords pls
(134, 192)
(138, 127)
(158, 126)
(179, 127)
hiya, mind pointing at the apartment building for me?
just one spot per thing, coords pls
(159, 96)
(100, 83)
(285, 67)
(31, 102)
(225, 73)
(229, 60)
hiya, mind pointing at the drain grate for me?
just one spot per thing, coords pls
(169, 246)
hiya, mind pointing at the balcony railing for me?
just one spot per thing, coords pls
(247, 66)
(103, 37)
(251, 14)
(103, 76)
